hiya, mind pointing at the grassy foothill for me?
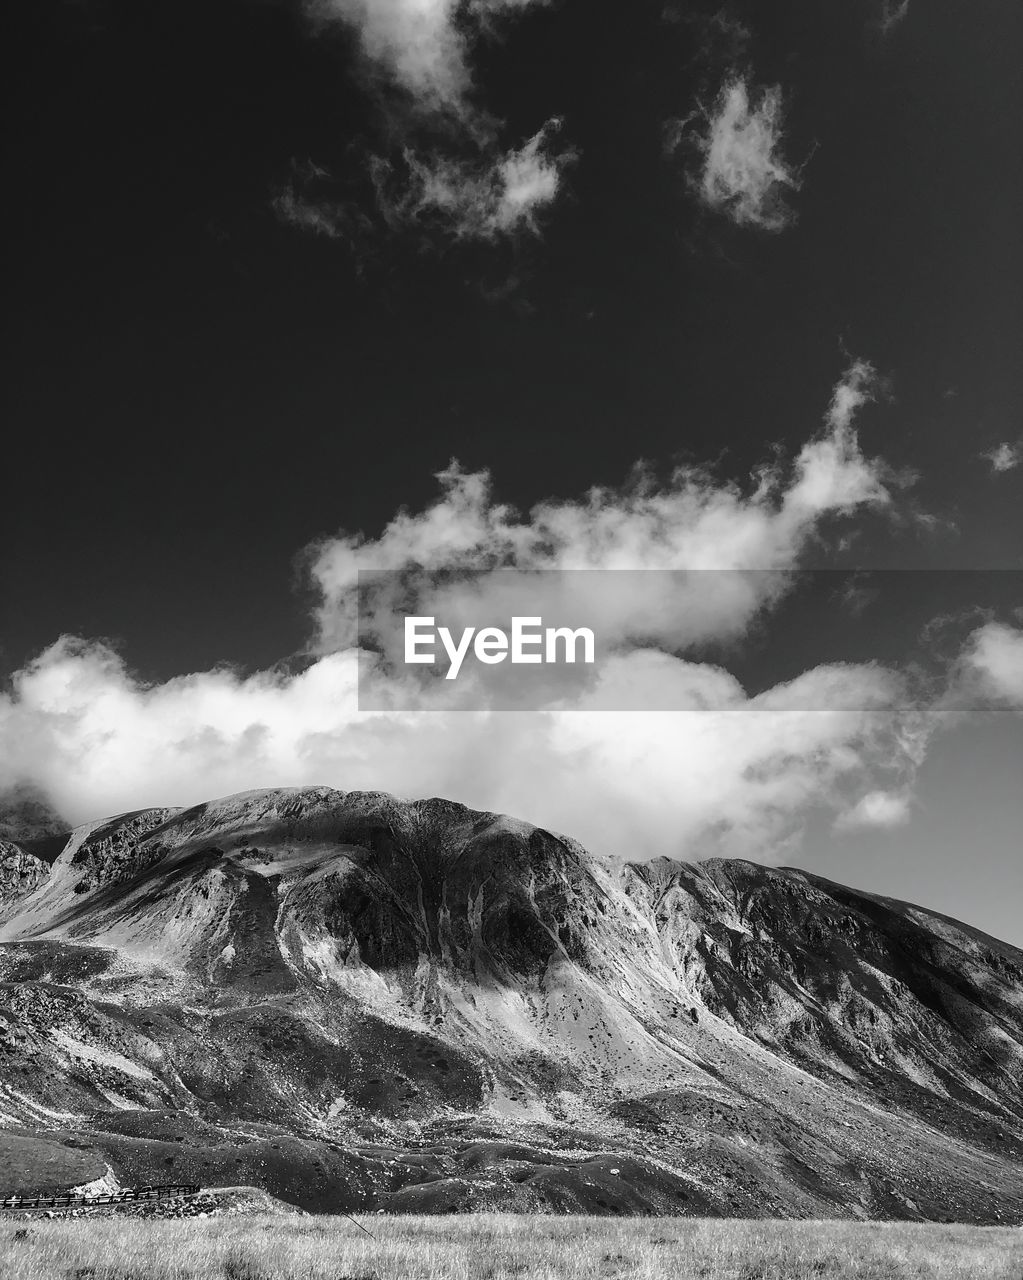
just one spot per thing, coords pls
(494, 1246)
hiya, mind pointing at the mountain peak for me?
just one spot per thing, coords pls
(327, 961)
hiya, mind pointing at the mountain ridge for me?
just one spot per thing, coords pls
(364, 974)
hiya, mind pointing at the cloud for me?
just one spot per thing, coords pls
(423, 46)
(741, 171)
(731, 773)
(690, 522)
(723, 37)
(883, 810)
(440, 166)
(320, 218)
(735, 775)
(1003, 457)
(857, 594)
(482, 199)
(892, 14)
(991, 665)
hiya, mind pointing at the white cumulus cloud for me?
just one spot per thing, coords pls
(416, 42)
(424, 46)
(876, 809)
(727, 772)
(690, 522)
(735, 774)
(991, 666)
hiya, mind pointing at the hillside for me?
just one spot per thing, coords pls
(356, 1002)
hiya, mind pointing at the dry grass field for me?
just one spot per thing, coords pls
(491, 1247)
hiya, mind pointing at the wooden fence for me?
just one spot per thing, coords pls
(70, 1199)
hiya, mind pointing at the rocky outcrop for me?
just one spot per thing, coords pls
(110, 851)
(20, 872)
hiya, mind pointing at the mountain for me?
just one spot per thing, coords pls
(360, 1003)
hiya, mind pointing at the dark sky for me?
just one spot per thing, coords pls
(194, 390)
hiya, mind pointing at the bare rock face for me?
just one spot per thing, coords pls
(20, 872)
(357, 1002)
(115, 850)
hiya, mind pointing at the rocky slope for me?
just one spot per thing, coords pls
(356, 1002)
(20, 872)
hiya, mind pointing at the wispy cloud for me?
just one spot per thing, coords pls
(857, 594)
(723, 36)
(1003, 457)
(315, 217)
(449, 172)
(741, 171)
(481, 199)
(893, 12)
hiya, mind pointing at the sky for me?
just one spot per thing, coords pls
(302, 289)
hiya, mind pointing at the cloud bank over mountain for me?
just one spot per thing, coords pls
(734, 773)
